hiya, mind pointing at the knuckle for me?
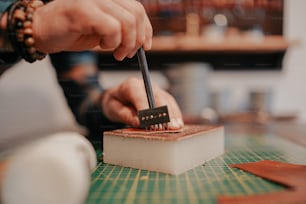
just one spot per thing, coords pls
(139, 10)
(133, 81)
(114, 28)
(140, 40)
(128, 45)
(81, 9)
(136, 85)
(130, 21)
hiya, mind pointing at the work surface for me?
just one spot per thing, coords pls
(114, 184)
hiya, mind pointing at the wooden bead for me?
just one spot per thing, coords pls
(31, 50)
(27, 24)
(21, 22)
(29, 42)
(30, 10)
(33, 56)
(19, 14)
(40, 57)
(37, 4)
(29, 16)
(28, 31)
(19, 36)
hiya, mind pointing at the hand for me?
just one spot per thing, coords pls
(120, 104)
(121, 25)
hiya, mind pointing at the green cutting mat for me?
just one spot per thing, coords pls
(114, 184)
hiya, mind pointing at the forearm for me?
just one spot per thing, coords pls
(84, 101)
(78, 76)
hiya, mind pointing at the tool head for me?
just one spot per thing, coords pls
(154, 118)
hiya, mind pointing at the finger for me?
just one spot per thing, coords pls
(143, 25)
(132, 53)
(132, 92)
(163, 98)
(109, 31)
(149, 34)
(146, 43)
(121, 113)
(128, 24)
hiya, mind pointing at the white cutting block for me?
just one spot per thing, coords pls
(167, 152)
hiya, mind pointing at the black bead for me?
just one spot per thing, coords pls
(19, 24)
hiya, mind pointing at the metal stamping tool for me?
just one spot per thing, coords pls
(154, 118)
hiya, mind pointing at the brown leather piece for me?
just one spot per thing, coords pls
(170, 135)
(292, 176)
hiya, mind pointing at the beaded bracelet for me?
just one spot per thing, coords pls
(19, 22)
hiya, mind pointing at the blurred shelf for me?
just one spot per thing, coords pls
(227, 44)
(233, 53)
(256, 117)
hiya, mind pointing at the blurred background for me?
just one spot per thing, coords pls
(223, 60)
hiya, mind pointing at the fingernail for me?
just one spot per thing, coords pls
(118, 57)
(180, 122)
(132, 54)
(135, 122)
(174, 124)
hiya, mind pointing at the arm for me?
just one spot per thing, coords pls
(9, 54)
(62, 25)
(78, 76)
(122, 26)
(99, 109)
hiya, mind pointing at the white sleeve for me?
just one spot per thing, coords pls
(52, 170)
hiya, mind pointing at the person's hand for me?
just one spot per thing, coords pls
(121, 103)
(121, 25)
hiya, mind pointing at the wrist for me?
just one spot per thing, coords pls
(38, 27)
(20, 29)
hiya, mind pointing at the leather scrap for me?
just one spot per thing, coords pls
(292, 176)
(168, 135)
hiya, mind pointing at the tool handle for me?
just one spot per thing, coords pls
(145, 75)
